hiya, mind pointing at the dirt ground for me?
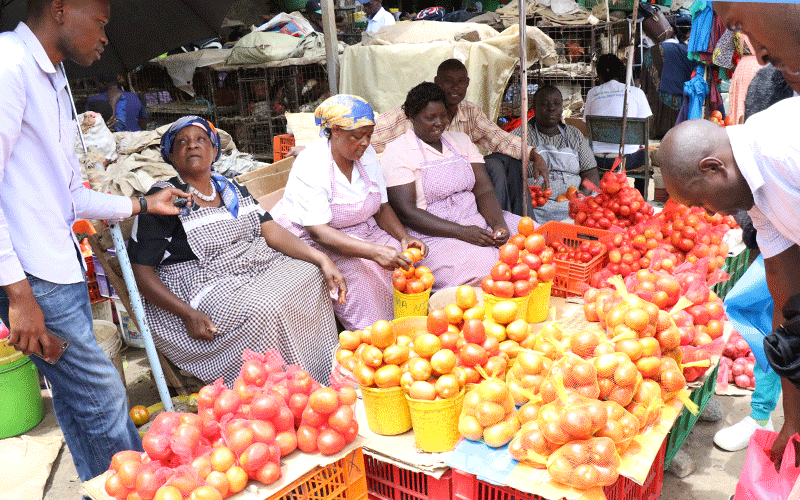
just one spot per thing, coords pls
(714, 478)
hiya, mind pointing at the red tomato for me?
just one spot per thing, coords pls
(307, 439)
(472, 354)
(522, 288)
(254, 457)
(547, 272)
(437, 321)
(535, 243)
(330, 442)
(265, 406)
(399, 283)
(227, 402)
(533, 261)
(509, 254)
(474, 331)
(269, 473)
(501, 272)
(504, 289)
(341, 419)
(520, 271)
(287, 442)
(487, 285)
(157, 445)
(324, 401)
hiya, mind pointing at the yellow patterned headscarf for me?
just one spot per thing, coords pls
(348, 112)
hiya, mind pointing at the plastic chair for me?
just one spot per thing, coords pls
(609, 129)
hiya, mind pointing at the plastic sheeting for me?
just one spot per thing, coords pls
(371, 71)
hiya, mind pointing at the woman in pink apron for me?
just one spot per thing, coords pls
(335, 199)
(439, 188)
(222, 277)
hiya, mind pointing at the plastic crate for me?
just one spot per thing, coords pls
(389, 482)
(735, 267)
(281, 145)
(686, 420)
(570, 274)
(469, 487)
(344, 479)
(106, 290)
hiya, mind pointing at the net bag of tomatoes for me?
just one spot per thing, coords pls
(489, 413)
(412, 286)
(539, 196)
(329, 421)
(585, 464)
(527, 375)
(550, 341)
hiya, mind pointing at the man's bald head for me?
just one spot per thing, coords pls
(685, 146)
(699, 168)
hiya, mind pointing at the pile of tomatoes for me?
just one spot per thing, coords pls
(328, 423)
(539, 197)
(524, 262)
(584, 253)
(737, 362)
(716, 117)
(617, 204)
(489, 413)
(415, 279)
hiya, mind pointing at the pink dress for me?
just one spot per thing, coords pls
(447, 185)
(369, 296)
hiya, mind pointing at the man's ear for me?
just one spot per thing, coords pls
(436, 80)
(711, 164)
(56, 10)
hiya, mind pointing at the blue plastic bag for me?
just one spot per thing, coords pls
(749, 308)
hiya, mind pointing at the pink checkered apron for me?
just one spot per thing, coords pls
(447, 185)
(369, 296)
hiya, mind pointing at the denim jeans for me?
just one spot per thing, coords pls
(88, 396)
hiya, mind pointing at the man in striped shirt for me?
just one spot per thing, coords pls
(470, 119)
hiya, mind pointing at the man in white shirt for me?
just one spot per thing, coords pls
(377, 16)
(753, 167)
(41, 194)
(607, 99)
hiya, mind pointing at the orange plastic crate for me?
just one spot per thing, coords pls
(570, 274)
(344, 479)
(469, 487)
(389, 482)
(281, 145)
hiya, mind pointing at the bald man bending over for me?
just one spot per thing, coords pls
(753, 167)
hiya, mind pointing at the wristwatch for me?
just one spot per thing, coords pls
(142, 204)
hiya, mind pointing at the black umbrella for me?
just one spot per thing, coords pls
(139, 30)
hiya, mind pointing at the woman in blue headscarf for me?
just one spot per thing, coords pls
(223, 277)
(336, 200)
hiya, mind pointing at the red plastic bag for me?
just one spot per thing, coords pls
(759, 479)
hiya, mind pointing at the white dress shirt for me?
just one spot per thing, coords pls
(607, 99)
(41, 190)
(379, 20)
(767, 151)
(308, 190)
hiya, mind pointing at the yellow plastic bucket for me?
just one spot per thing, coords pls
(387, 410)
(436, 423)
(415, 304)
(539, 303)
(489, 301)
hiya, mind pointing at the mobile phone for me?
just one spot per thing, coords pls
(61, 348)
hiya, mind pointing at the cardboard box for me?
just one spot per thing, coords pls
(268, 179)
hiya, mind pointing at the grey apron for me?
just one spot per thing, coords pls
(565, 171)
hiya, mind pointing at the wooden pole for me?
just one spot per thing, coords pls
(331, 44)
(523, 96)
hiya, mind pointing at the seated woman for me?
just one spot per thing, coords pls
(335, 199)
(607, 99)
(439, 187)
(223, 277)
(566, 151)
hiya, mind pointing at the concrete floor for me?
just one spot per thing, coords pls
(714, 478)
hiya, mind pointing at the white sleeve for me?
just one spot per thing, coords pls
(375, 172)
(12, 102)
(307, 191)
(642, 104)
(770, 241)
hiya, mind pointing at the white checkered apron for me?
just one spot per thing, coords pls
(447, 185)
(258, 298)
(369, 295)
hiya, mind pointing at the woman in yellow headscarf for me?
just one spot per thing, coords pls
(336, 200)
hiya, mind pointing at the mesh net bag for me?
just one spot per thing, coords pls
(585, 464)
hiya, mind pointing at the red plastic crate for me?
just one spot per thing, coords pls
(281, 145)
(570, 274)
(389, 482)
(469, 487)
(341, 480)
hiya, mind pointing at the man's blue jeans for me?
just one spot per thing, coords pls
(88, 395)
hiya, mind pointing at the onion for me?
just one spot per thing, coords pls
(753, 382)
(748, 369)
(742, 347)
(742, 381)
(738, 371)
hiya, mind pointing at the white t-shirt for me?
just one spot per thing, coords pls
(767, 151)
(379, 20)
(305, 199)
(607, 100)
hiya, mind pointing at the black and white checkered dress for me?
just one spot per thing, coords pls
(258, 298)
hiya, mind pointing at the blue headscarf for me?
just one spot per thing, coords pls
(348, 112)
(223, 185)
